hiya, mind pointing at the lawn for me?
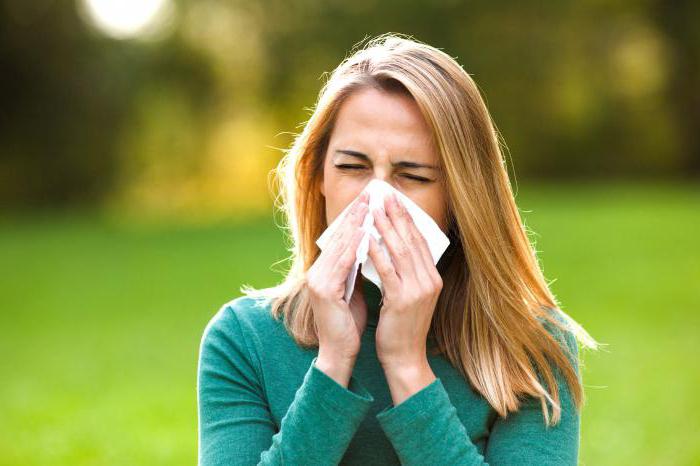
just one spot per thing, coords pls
(101, 322)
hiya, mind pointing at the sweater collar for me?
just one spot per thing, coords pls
(373, 299)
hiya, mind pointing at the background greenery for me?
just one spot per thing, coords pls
(134, 198)
(102, 320)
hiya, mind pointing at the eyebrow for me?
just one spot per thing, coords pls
(402, 163)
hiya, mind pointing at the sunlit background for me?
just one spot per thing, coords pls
(136, 143)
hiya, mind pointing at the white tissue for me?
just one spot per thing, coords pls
(378, 189)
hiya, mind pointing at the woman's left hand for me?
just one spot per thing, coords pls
(411, 289)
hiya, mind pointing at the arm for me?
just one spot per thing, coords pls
(425, 429)
(235, 424)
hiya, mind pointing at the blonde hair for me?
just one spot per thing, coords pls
(489, 321)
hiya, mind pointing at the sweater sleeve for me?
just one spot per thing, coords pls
(235, 423)
(425, 429)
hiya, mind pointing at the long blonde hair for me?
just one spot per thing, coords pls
(490, 319)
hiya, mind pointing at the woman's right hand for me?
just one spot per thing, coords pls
(339, 324)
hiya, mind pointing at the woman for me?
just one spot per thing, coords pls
(468, 361)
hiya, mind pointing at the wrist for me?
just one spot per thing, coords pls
(405, 380)
(336, 356)
(404, 362)
(339, 368)
(407, 370)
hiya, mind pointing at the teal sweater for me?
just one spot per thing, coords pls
(262, 400)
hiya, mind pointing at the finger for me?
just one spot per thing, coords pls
(348, 212)
(339, 273)
(346, 229)
(336, 265)
(351, 223)
(407, 229)
(398, 249)
(386, 270)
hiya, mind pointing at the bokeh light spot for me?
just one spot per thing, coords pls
(124, 19)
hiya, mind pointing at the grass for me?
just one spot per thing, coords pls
(101, 322)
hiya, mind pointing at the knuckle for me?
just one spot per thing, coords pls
(313, 288)
(438, 282)
(402, 251)
(346, 261)
(388, 267)
(414, 296)
(424, 293)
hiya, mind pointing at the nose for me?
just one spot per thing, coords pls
(387, 180)
(384, 175)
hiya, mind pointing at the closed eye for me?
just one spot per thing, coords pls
(362, 167)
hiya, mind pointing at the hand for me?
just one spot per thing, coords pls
(339, 324)
(411, 290)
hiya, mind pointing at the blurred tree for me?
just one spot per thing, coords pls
(576, 89)
(67, 94)
(678, 21)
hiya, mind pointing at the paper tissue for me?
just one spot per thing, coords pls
(378, 190)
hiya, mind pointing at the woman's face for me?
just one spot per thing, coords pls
(382, 135)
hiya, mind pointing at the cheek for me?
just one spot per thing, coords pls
(433, 202)
(340, 192)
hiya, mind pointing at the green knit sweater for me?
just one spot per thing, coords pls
(262, 400)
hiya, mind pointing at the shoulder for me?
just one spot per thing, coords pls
(240, 315)
(231, 335)
(564, 334)
(245, 324)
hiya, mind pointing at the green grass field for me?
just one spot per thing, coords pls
(101, 322)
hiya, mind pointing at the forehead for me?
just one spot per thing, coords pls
(383, 124)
